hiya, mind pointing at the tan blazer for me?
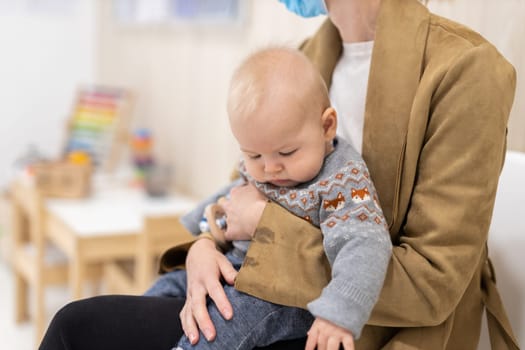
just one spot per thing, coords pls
(439, 96)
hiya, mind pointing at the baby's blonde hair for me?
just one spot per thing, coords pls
(271, 71)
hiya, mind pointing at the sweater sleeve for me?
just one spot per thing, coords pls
(192, 219)
(358, 247)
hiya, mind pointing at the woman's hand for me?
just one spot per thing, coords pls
(325, 335)
(243, 210)
(205, 267)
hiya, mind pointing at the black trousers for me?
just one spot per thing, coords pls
(116, 322)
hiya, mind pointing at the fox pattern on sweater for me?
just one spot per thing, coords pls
(340, 195)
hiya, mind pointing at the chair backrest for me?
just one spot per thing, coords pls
(160, 233)
(163, 232)
(507, 243)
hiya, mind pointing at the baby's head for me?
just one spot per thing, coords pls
(280, 114)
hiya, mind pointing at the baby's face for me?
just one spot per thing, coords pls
(281, 145)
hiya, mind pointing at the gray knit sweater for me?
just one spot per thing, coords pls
(342, 201)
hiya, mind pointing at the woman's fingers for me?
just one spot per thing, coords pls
(216, 290)
(311, 342)
(202, 317)
(348, 343)
(227, 270)
(188, 323)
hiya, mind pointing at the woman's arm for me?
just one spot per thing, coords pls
(243, 209)
(446, 225)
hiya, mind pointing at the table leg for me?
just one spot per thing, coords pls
(19, 238)
(76, 277)
(21, 299)
(40, 309)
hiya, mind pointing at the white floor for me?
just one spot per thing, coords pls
(21, 336)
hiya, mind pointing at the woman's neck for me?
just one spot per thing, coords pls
(355, 19)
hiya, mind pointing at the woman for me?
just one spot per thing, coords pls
(433, 135)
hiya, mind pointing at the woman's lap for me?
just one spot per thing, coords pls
(115, 322)
(122, 322)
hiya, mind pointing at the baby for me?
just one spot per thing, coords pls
(280, 115)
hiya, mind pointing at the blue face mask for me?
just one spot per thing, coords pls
(306, 8)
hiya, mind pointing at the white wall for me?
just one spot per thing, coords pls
(180, 75)
(45, 54)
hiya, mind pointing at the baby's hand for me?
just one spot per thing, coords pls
(325, 335)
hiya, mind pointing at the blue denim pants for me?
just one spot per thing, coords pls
(255, 322)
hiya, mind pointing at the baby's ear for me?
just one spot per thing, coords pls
(329, 122)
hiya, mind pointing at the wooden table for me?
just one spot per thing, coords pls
(104, 226)
(87, 232)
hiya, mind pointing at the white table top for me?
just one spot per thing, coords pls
(115, 210)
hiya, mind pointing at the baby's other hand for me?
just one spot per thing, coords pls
(325, 335)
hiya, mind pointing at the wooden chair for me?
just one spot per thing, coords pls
(35, 263)
(136, 275)
(98, 125)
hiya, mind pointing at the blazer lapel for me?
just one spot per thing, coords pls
(324, 50)
(395, 72)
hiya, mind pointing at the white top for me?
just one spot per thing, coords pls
(348, 91)
(119, 210)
